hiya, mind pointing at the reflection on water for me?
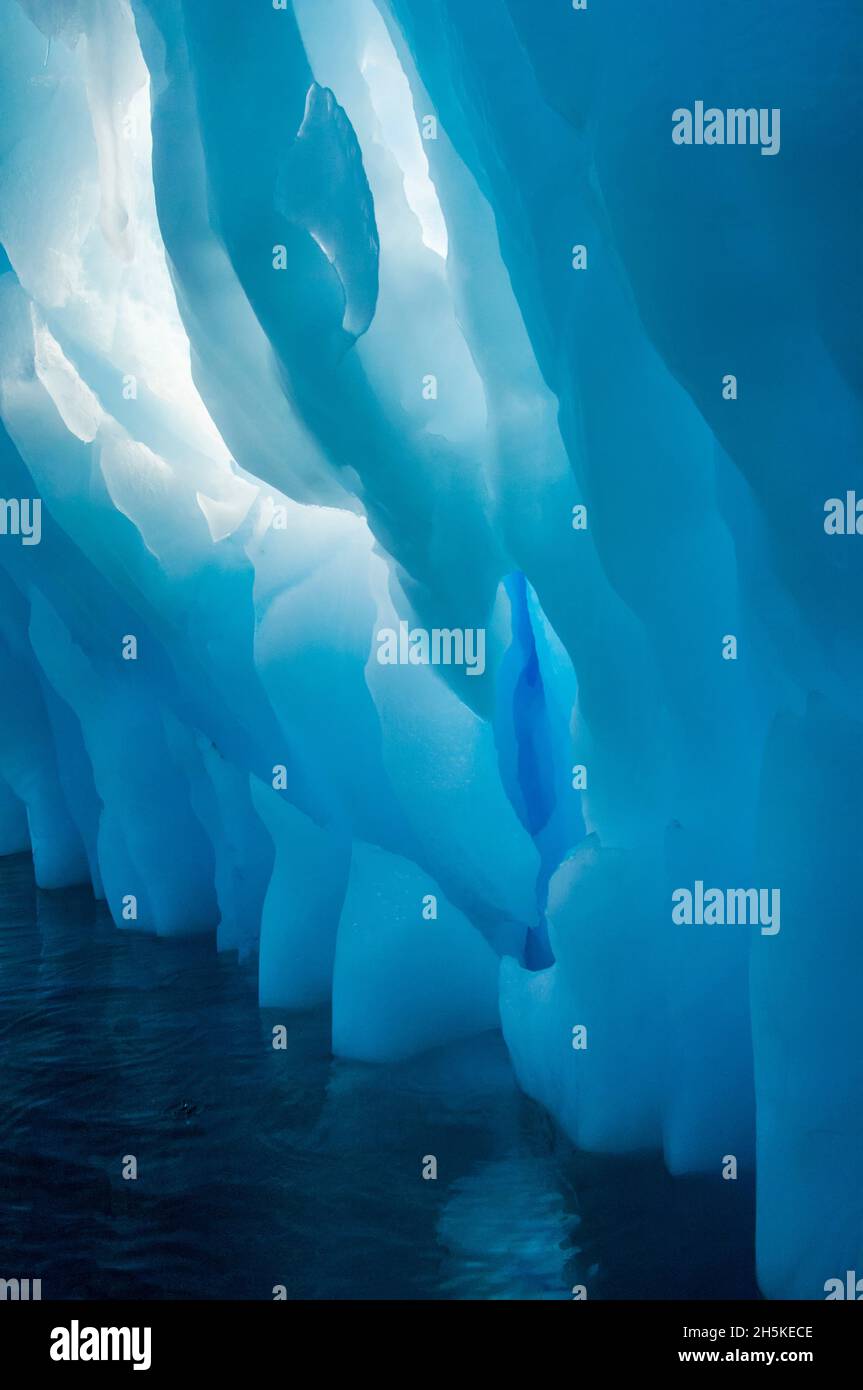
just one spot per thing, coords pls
(509, 1231)
(259, 1167)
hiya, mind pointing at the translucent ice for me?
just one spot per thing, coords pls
(335, 336)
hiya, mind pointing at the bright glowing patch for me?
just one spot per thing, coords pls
(391, 99)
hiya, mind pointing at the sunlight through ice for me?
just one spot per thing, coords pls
(390, 95)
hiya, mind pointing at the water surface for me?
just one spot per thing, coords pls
(259, 1167)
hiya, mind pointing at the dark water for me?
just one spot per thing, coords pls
(259, 1167)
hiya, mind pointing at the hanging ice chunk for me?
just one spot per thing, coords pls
(586, 1035)
(152, 847)
(807, 1026)
(323, 187)
(410, 971)
(302, 906)
(469, 834)
(28, 758)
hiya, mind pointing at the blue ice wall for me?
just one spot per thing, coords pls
(415, 607)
